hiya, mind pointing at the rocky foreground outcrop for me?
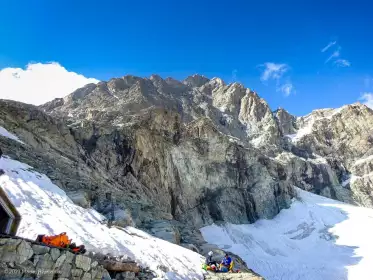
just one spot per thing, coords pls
(233, 276)
(24, 259)
(21, 259)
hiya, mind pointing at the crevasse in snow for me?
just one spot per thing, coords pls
(46, 209)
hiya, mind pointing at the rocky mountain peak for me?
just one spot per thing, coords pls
(217, 82)
(318, 151)
(285, 121)
(228, 98)
(254, 108)
(80, 93)
(196, 80)
(260, 123)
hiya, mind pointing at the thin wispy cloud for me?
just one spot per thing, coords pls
(287, 89)
(367, 99)
(335, 56)
(275, 72)
(342, 63)
(328, 46)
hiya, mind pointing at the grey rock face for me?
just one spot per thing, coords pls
(55, 253)
(39, 249)
(43, 262)
(196, 80)
(76, 273)
(65, 271)
(336, 145)
(157, 165)
(9, 251)
(80, 198)
(83, 262)
(164, 230)
(25, 252)
(286, 122)
(260, 123)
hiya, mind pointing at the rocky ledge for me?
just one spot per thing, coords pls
(233, 276)
(23, 259)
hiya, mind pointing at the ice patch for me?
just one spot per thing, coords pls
(7, 134)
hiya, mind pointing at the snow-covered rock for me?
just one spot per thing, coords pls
(46, 209)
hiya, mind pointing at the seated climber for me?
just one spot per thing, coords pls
(209, 263)
(209, 260)
(225, 265)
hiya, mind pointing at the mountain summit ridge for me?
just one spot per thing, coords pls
(239, 113)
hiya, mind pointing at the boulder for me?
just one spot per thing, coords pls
(79, 197)
(40, 249)
(69, 257)
(98, 272)
(55, 253)
(60, 261)
(83, 262)
(120, 267)
(123, 218)
(43, 262)
(76, 273)
(9, 251)
(65, 270)
(24, 251)
(165, 230)
(87, 276)
(94, 264)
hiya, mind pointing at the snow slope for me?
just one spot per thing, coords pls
(6, 133)
(46, 209)
(316, 239)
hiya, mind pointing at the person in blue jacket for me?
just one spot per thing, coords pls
(225, 263)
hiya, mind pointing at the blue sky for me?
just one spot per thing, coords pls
(235, 40)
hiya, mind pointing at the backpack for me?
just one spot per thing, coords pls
(59, 240)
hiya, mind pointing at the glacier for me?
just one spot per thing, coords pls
(315, 239)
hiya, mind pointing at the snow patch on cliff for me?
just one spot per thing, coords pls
(7, 134)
